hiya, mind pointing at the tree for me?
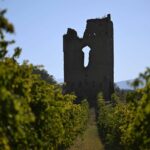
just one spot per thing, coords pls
(44, 74)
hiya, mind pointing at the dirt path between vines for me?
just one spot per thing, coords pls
(90, 139)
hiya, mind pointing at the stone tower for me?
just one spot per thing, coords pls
(98, 75)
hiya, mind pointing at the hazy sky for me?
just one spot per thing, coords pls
(40, 25)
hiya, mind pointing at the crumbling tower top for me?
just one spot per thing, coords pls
(98, 76)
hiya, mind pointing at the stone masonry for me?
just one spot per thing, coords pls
(98, 75)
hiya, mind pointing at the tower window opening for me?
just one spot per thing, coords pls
(86, 51)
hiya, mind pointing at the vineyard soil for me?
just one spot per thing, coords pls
(90, 139)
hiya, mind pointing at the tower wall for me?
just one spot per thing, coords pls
(98, 76)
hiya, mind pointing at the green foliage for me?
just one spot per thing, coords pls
(34, 114)
(44, 74)
(126, 125)
(135, 134)
(109, 120)
(5, 26)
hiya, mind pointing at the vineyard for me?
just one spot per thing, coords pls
(126, 124)
(35, 114)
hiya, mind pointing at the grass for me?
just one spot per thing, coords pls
(90, 139)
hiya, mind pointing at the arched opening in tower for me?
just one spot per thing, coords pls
(86, 51)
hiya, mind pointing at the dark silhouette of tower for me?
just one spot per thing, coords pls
(98, 75)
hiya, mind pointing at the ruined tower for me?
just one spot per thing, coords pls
(98, 75)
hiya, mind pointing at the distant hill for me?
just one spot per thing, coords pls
(124, 84)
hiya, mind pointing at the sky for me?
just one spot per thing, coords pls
(40, 25)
